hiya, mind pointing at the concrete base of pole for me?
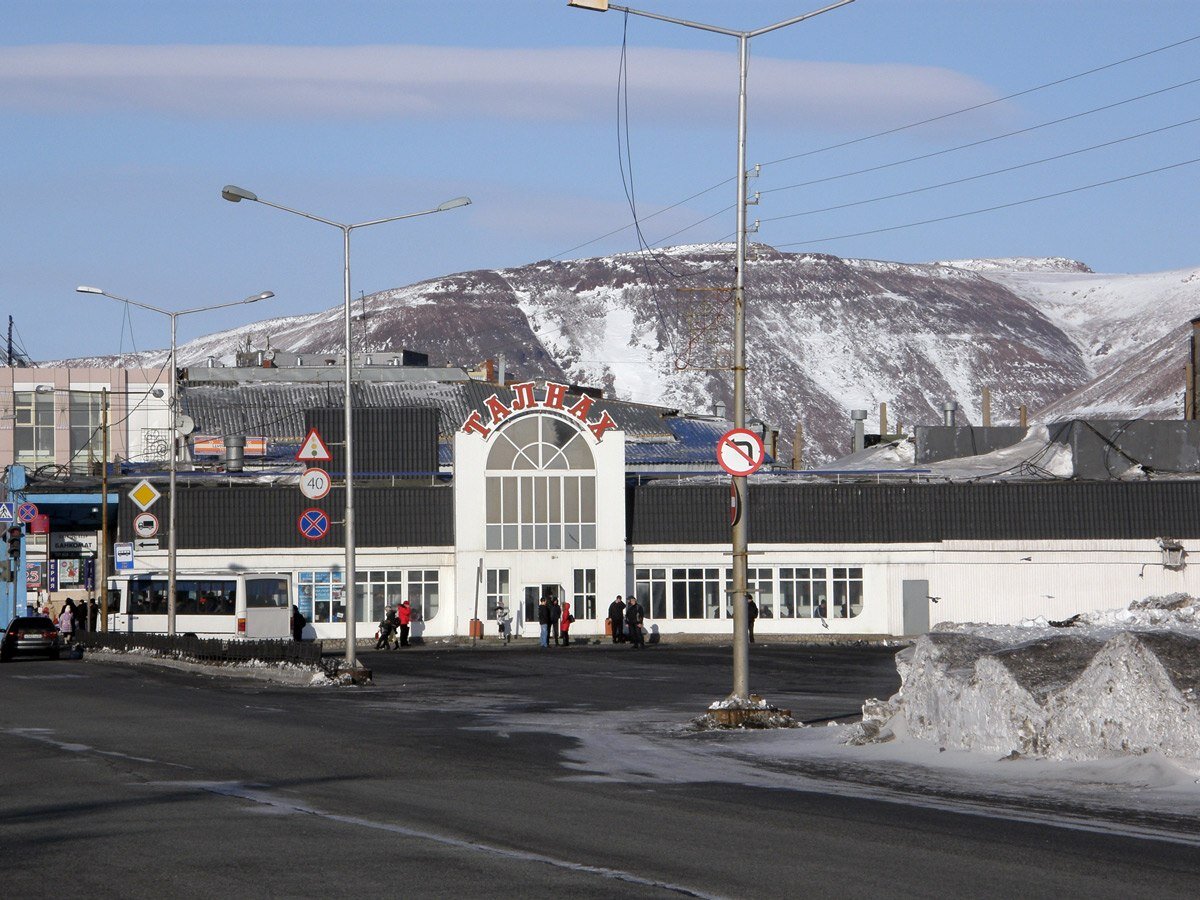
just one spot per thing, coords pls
(752, 713)
(359, 674)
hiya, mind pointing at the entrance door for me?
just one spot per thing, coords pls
(532, 593)
(916, 606)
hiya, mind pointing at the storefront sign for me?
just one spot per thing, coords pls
(74, 542)
(525, 401)
(33, 576)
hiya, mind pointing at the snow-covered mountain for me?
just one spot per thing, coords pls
(825, 335)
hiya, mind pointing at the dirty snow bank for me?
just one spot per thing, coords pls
(1118, 682)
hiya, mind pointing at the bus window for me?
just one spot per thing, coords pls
(267, 593)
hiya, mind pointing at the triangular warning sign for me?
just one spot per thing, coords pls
(313, 448)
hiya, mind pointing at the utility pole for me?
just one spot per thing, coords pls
(741, 529)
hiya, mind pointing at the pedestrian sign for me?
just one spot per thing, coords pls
(144, 494)
(313, 449)
(8, 511)
(740, 452)
(313, 524)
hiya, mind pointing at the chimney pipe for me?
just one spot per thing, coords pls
(235, 452)
(501, 375)
(719, 409)
(949, 408)
(859, 417)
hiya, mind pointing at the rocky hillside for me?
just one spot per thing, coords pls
(825, 335)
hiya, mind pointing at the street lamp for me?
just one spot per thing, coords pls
(173, 412)
(235, 194)
(741, 529)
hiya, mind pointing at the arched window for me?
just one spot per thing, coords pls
(541, 486)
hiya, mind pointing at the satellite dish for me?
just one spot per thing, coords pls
(185, 424)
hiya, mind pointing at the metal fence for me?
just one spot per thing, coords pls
(207, 650)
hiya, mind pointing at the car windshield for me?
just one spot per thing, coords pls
(31, 623)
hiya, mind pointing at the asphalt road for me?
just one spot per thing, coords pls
(449, 777)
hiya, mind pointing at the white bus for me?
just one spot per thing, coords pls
(255, 606)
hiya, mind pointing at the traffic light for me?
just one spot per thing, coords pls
(13, 536)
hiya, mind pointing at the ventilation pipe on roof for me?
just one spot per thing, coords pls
(235, 452)
(949, 408)
(719, 409)
(500, 374)
(211, 362)
(859, 417)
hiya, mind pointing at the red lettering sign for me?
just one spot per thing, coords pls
(525, 400)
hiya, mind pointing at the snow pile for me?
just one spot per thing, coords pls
(1121, 682)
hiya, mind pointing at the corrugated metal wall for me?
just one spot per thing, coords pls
(385, 440)
(866, 513)
(264, 516)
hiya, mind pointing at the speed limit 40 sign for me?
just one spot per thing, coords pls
(315, 483)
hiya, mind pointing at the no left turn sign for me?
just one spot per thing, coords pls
(740, 452)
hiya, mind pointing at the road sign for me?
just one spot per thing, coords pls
(313, 449)
(145, 544)
(145, 525)
(144, 494)
(8, 511)
(27, 512)
(313, 524)
(315, 483)
(740, 452)
(123, 556)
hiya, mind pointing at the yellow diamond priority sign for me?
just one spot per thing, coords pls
(144, 494)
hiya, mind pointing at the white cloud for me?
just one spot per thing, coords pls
(423, 82)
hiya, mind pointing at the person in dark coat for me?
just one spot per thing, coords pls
(81, 618)
(544, 622)
(555, 615)
(616, 616)
(387, 629)
(633, 619)
(93, 611)
(751, 615)
(298, 623)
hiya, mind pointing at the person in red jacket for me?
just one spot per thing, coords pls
(564, 624)
(404, 614)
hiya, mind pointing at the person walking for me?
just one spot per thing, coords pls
(404, 617)
(298, 623)
(616, 617)
(633, 619)
(503, 620)
(552, 604)
(81, 620)
(93, 613)
(544, 622)
(565, 623)
(66, 620)
(751, 615)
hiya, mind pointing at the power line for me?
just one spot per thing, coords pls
(1006, 169)
(976, 212)
(986, 103)
(998, 137)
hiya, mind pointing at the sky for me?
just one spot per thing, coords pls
(120, 121)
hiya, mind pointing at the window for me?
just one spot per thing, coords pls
(847, 593)
(802, 593)
(761, 583)
(650, 586)
(319, 596)
(583, 605)
(496, 584)
(148, 596)
(375, 591)
(543, 504)
(423, 592)
(267, 593)
(87, 422)
(33, 428)
(695, 593)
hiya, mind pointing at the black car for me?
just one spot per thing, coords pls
(30, 635)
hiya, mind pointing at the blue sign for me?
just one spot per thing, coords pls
(8, 511)
(123, 556)
(313, 524)
(27, 512)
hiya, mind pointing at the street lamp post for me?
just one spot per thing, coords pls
(741, 528)
(235, 194)
(173, 413)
